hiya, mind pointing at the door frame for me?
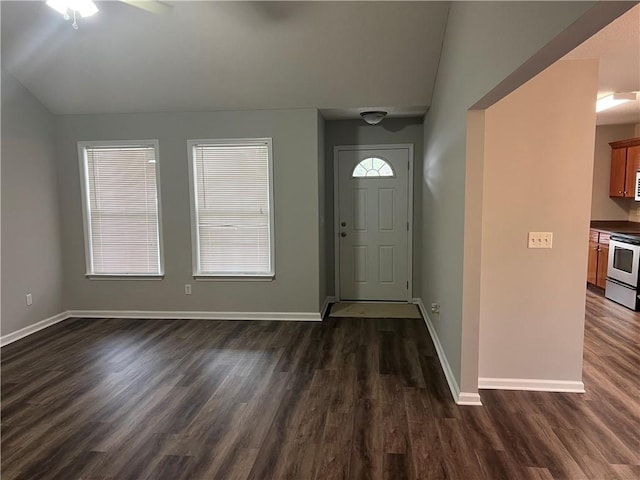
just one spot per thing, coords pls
(336, 211)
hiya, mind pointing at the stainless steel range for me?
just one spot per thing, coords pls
(623, 270)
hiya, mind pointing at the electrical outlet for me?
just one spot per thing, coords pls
(435, 308)
(187, 289)
(29, 300)
(540, 240)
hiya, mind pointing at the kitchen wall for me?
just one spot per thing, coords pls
(357, 132)
(634, 211)
(537, 177)
(31, 250)
(603, 207)
(297, 225)
(490, 48)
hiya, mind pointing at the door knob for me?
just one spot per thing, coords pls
(343, 234)
(344, 224)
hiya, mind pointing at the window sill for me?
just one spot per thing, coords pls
(234, 278)
(95, 276)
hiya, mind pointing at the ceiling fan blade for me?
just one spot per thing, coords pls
(153, 6)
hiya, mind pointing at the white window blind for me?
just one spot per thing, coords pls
(121, 208)
(232, 207)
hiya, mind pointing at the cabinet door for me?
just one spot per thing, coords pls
(618, 172)
(633, 165)
(603, 262)
(592, 269)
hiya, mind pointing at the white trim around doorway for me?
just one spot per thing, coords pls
(336, 210)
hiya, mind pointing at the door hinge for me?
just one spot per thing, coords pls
(407, 284)
(407, 226)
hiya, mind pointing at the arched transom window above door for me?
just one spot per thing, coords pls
(372, 167)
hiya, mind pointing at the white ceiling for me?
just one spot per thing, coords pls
(618, 48)
(228, 55)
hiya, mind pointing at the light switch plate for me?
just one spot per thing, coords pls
(540, 239)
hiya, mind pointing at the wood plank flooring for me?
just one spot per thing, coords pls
(342, 399)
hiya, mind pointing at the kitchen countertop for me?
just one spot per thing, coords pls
(618, 226)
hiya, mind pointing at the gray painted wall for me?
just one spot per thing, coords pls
(357, 132)
(295, 150)
(484, 43)
(31, 260)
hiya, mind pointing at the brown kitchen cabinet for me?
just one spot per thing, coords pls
(625, 162)
(603, 262)
(598, 258)
(592, 270)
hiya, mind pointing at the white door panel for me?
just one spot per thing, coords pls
(372, 224)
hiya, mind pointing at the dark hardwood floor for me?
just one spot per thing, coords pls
(346, 398)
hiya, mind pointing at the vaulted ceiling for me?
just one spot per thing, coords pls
(227, 55)
(341, 57)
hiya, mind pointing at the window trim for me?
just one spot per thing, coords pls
(195, 235)
(86, 214)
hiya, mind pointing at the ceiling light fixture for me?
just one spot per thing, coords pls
(614, 99)
(373, 117)
(71, 8)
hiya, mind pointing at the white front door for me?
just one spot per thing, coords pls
(372, 224)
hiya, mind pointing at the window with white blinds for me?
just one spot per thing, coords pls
(121, 208)
(232, 207)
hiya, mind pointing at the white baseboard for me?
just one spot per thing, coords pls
(530, 384)
(461, 398)
(160, 315)
(325, 306)
(168, 315)
(36, 327)
(468, 398)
